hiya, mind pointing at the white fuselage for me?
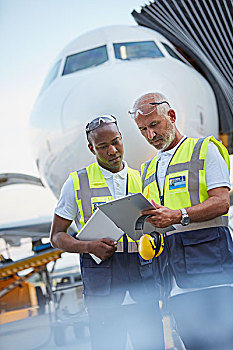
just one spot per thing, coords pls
(70, 101)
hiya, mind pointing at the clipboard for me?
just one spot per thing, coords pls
(125, 211)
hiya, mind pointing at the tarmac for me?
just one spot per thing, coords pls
(37, 333)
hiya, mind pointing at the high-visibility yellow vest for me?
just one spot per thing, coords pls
(185, 183)
(91, 188)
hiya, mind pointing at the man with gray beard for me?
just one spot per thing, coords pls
(188, 183)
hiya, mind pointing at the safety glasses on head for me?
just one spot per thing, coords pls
(106, 119)
(145, 109)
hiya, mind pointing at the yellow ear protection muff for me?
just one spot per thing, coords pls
(150, 244)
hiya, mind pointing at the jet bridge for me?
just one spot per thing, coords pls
(202, 32)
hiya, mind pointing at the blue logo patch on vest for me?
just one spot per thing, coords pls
(95, 205)
(177, 182)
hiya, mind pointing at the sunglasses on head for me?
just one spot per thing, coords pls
(145, 109)
(95, 123)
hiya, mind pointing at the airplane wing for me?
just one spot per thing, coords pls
(16, 178)
(36, 229)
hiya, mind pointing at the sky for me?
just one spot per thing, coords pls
(33, 32)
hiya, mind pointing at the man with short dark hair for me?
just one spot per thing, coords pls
(188, 183)
(120, 293)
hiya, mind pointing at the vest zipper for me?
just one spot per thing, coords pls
(156, 178)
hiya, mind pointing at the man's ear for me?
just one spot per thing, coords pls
(91, 148)
(172, 115)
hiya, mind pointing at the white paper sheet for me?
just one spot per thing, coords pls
(97, 227)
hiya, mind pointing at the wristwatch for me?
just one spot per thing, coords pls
(185, 220)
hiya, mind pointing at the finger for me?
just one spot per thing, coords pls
(151, 220)
(154, 222)
(149, 212)
(109, 241)
(112, 248)
(157, 206)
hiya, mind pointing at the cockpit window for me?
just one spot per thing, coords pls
(136, 50)
(51, 76)
(172, 52)
(85, 59)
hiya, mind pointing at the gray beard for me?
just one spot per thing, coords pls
(169, 137)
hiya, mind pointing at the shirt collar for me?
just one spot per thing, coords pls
(108, 174)
(171, 151)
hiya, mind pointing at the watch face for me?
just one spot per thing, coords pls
(185, 220)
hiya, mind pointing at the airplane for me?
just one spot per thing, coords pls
(103, 72)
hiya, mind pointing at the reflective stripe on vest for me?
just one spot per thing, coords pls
(85, 193)
(132, 247)
(193, 167)
(149, 179)
(196, 184)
